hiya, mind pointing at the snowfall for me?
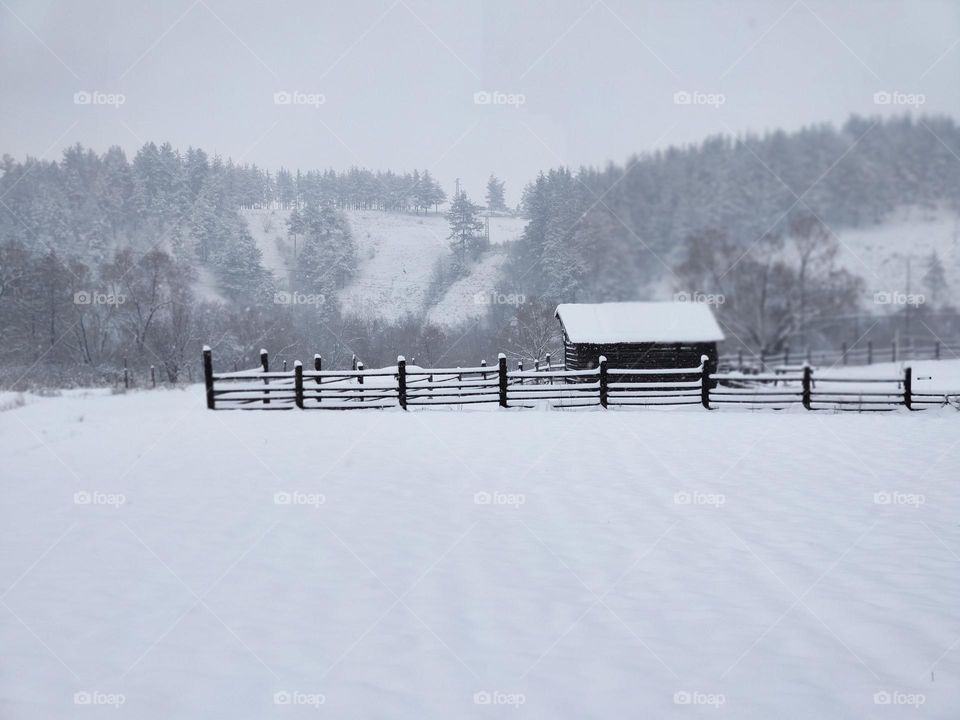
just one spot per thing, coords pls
(159, 560)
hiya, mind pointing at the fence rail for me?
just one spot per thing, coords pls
(866, 354)
(405, 387)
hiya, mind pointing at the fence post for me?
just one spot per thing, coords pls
(483, 363)
(359, 369)
(208, 376)
(908, 387)
(843, 351)
(298, 383)
(153, 376)
(265, 364)
(603, 381)
(284, 365)
(520, 368)
(126, 376)
(807, 386)
(502, 371)
(548, 361)
(869, 352)
(549, 368)
(402, 381)
(705, 381)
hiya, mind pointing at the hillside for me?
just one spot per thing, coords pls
(397, 253)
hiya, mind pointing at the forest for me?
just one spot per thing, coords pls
(106, 259)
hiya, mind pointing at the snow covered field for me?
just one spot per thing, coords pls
(524, 564)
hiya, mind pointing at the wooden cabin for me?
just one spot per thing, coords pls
(638, 334)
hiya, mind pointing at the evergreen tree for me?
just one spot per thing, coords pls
(467, 235)
(495, 194)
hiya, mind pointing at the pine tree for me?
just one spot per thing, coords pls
(495, 194)
(466, 229)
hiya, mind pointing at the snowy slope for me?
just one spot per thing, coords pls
(470, 297)
(396, 253)
(558, 564)
(269, 229)
(879, 253)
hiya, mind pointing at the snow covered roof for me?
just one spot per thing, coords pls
(638, 322)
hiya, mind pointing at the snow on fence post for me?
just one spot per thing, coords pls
(502, 371)
(705, 381)
(208, 376)
(908, 387)
(603, 381)
(807, 386)
(284, 365)
(298, 383)
(402, 381)
(265, 365)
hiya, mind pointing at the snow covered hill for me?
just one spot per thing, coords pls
(555, 564)
(397, 253)
(879, 253)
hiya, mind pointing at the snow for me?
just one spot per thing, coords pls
(416, 565)
(879, 253)
(639, 322)
(396, 254)
(268, 227)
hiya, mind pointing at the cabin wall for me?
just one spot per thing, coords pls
(583, 356)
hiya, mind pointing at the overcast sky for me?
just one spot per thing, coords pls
(569, 82)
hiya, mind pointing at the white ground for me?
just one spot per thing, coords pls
(773, 564)
(397, 253)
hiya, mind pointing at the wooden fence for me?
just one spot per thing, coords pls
(603, 386)
(866, 354)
